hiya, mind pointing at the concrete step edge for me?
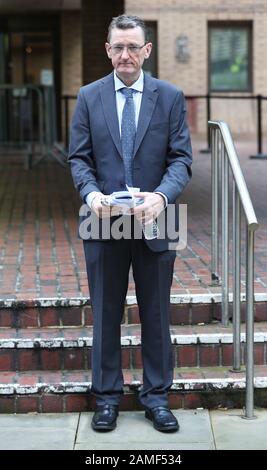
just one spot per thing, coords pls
(205, 298)
(202, 384)
(128, 340)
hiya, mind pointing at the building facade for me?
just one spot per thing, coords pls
(212, 47)
(202, 47)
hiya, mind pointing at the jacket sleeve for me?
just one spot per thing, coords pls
(81, 157)
(179, 155)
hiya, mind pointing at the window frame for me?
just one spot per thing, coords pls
(248, 25)
(154, 25)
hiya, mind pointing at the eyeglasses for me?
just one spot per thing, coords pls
(118, 49)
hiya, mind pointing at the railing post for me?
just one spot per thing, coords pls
(31, 105)
(259, 102)
(249, 412)
(41, 129)
(236, 279)
(259, 129)
(208, 116)
(225, 238)
(208, 149)
(215, 197)
(66, 108)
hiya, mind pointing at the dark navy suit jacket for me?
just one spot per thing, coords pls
(162, 152)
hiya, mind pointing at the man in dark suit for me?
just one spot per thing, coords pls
(129, 130)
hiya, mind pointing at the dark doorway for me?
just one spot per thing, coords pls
(31, 58)
(30, 53)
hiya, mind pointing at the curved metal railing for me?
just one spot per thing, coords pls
(223, 157)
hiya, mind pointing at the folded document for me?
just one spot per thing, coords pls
(122, 199)
(125, 201)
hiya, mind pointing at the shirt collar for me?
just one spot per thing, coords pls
(138, 85)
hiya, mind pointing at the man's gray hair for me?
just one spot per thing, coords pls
(126, 22)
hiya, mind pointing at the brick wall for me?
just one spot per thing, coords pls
(96, 17)
(71, 50)
(190, 17)
(71, 57)
(84, 60)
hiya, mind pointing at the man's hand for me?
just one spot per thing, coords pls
(101, 210)
(152, 206)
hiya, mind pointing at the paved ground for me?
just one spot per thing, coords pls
(199, 430)
(40, 255)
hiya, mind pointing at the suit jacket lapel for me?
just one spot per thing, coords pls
(149, 99)
(110, 109)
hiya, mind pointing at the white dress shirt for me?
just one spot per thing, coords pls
(138, 86)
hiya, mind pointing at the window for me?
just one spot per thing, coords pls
(230, 57)
(150, 65)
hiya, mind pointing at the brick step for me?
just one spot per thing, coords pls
(187, 310)
(43, 391)
(70, 348)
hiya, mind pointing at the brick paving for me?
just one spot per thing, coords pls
(41, 256)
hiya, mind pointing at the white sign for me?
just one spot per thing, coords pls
(46, 77)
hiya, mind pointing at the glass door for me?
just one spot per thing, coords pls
(31, 58)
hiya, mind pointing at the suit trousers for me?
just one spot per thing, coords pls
(108, 264)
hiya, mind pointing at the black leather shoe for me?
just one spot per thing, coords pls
(105, 417)
(162, 418)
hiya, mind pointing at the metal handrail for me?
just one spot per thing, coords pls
(32, 89)
(258, 98)
(224, 155)
(48, 146)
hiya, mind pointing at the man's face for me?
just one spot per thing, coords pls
(127, 61)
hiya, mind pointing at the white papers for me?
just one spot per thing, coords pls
(123, 200)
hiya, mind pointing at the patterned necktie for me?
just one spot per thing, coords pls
(128, 132)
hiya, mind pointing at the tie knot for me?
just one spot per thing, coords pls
(127, 92)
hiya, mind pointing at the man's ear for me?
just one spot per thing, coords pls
(108, 50)
(148, 50)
